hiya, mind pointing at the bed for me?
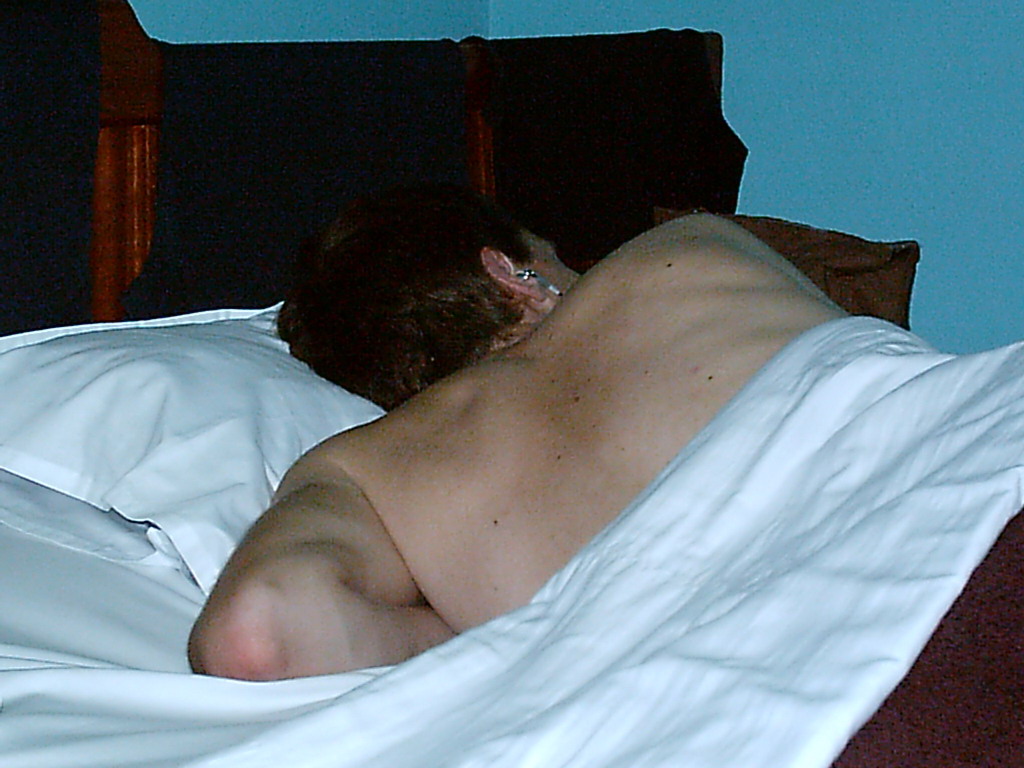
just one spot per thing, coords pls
(866, 611)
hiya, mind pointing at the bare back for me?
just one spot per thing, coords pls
(493, 479)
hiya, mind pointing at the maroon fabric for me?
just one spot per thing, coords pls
(962, 704)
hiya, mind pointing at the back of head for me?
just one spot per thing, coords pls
(393, 296)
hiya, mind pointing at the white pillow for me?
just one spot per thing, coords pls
(188, 423)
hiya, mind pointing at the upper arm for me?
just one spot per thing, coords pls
(320, 506)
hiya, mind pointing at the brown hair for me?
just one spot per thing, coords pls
(392, 296)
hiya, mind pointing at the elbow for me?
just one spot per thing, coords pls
(235, 642)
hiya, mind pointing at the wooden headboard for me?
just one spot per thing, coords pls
(128, 168)
(124, 198)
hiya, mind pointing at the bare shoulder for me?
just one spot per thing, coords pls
(433, 469)
(703, 237)
(429, 439)
(706, 255)
(695, 233)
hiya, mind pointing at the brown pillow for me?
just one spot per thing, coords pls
(861, 276)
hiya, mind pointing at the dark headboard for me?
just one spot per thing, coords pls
(218, 160)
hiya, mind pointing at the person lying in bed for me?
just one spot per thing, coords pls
(460, 503)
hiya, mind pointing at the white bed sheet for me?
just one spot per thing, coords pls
(753, 607)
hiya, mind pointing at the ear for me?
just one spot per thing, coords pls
(533, 300)
(500, 268)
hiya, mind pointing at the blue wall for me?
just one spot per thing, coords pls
(891, 120)
(219, 21)
(894, 120)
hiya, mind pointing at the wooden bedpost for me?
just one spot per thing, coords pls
(479, 131)
(126, 159)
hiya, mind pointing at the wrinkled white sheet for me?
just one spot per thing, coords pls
(753, 607)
